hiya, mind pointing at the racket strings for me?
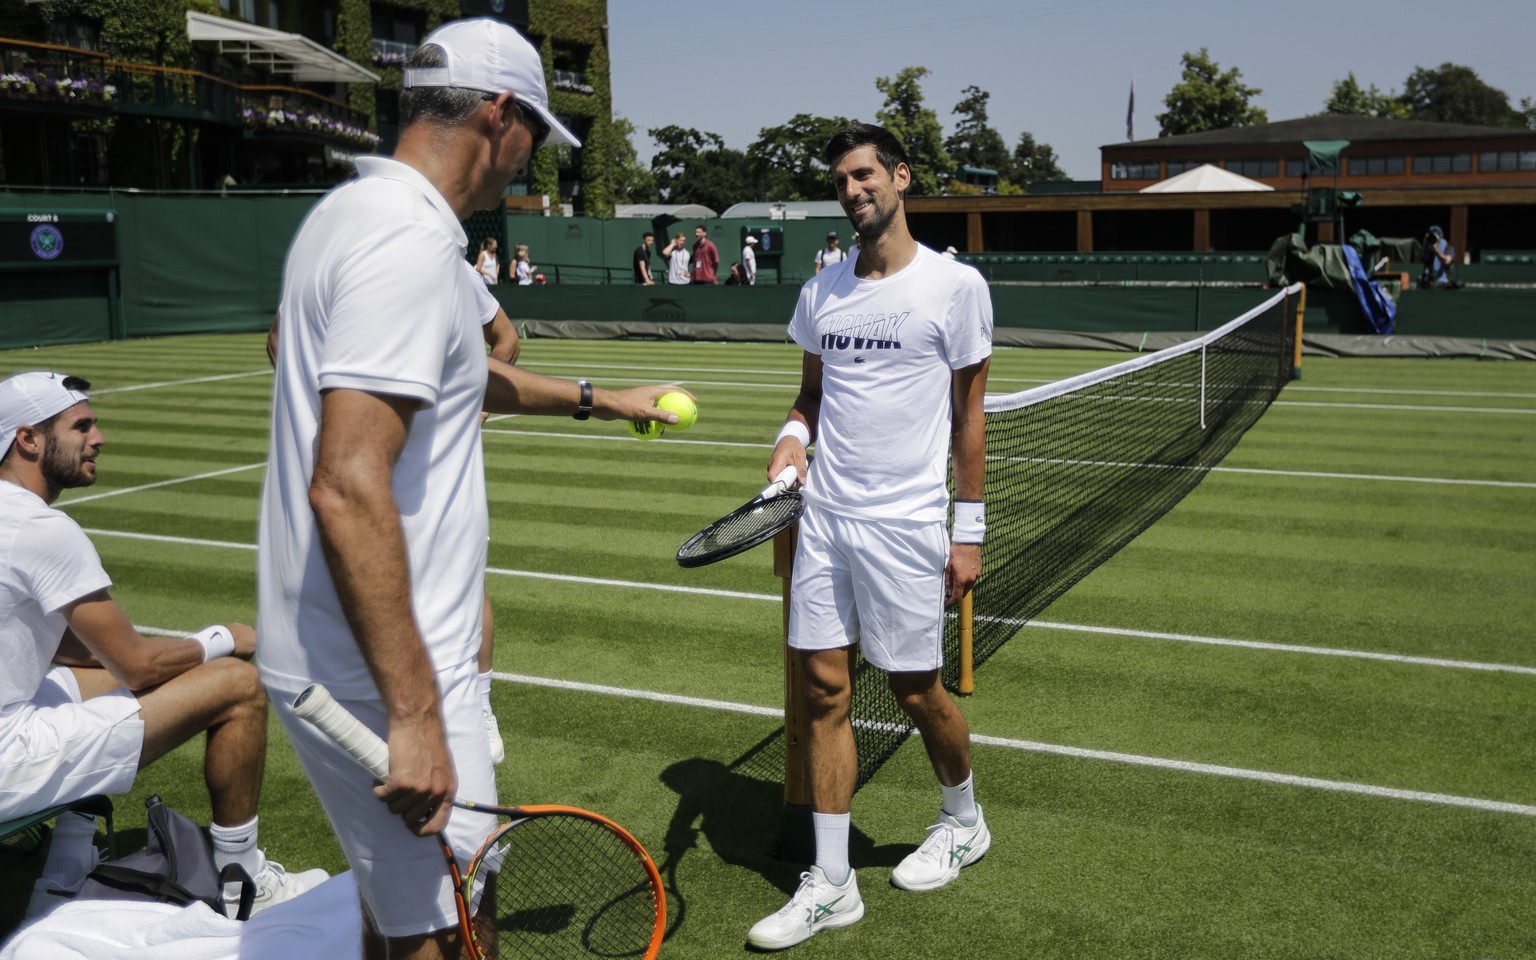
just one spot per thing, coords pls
(748, 526)
(567, 887)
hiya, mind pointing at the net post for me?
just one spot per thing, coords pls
(967, 684)
(1301, 312)
(797, 838)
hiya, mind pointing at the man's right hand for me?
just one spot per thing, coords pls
(422, 781)
(789, 451)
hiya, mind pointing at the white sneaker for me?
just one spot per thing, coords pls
(950, 847)
(493, 736)
(274, 884)
(49, 895)
(818, 905)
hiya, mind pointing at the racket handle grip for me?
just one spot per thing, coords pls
(781, 483)
(319, 708)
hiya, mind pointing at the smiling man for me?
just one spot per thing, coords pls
(85, 700)
(896, 347)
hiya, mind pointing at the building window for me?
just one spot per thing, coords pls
(569, 68)
(273, 20)
(77, 32)
(1176, 167)
(248, 11)
(1443, 163)
(1506, 161)
(1136, 170)
(1377, 166)
(1296, 168)
(1254, 168)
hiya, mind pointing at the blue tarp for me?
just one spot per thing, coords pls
(1378, 307)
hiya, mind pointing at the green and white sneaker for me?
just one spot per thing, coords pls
(818, 905)
(950, 847)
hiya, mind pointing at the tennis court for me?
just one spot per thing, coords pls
(1292, 719)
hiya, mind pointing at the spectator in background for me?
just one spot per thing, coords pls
(832, 254)
(1438, 257)
(521, 267)
(643, 260)
(749, 261)
(853, 248)
(486, 264)
(678, 260)
(706, 258)
(950, 253)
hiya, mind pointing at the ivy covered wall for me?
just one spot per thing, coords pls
(583, 23)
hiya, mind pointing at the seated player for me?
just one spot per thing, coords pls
(85, 700)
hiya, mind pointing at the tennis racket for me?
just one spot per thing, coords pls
(549, 882)
(750, 524)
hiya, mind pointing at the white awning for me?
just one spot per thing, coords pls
(1207, 178)
(284, 54)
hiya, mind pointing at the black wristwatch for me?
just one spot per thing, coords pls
(584, 406)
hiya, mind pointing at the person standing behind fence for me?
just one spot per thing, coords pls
(678, 259)
(749, 261)
(642, 260)
(486, 264)
(706, 258)
(523, 269)
(831, 254)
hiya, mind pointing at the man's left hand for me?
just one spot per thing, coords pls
(962, 571)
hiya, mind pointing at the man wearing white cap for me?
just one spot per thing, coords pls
(749, 260)
(374, 522)
(123, 700)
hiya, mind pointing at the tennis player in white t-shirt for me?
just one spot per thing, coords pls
(374, 518)
(895, 370)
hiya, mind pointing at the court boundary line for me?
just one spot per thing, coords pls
(1403, 658)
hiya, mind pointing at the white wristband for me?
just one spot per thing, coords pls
(217, 641)
(796, 429)
(970, 521)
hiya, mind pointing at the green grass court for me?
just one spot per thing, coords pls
(1360, 575)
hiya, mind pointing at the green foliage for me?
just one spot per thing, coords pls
(628, 180)
(974, 143)
(1528, 112)
(1034, 163)
(1207, 99)
(786, 161)
(917, 127)
(697, 167)
(1451, 93)
(1350, 99)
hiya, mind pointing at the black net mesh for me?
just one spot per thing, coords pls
(1076, 469)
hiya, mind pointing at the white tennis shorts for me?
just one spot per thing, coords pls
(878, 583)
(58, 748)
(402, 877)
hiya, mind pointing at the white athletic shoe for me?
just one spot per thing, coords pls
(493, 737)
(274, 884)
(818, 905)
(949, 848)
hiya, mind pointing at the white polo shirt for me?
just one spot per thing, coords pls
(376, 298)
(888, 350)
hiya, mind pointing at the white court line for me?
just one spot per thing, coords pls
(182, 383)
(1040, 624)
(1418, 408)
(1029, 746)
(159, 483)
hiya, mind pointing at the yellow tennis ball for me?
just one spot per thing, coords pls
(681, 404)
(649, 430)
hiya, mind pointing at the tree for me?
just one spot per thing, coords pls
(1451, 93)
(917, 127)
(1208, 99)
(786, 160)
(974, 143)
(695, 167)
(1352, 100)
(1034, 162)
(628, 180)
(1528, 111)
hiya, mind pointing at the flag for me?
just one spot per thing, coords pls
(1130, 114)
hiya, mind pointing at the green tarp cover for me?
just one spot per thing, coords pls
(1324, 154)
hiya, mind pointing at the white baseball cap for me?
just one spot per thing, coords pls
(751, 239)
(28, 399)
(490, 56)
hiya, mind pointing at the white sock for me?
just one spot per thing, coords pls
(485, 691)
(236, 845)
(70, 856)
(832, 844)
(960, 801)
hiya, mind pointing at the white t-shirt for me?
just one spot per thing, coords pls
(888, 348)
(827, 256)
(486, 303)
(46, 563)
(524, 272)
(749, 263)
(376, 298)
(488, 266)
(678, 263)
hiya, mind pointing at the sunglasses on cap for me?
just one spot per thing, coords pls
(530, 119)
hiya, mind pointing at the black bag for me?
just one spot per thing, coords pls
(177, 868)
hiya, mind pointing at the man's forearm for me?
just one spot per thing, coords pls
(511, 389)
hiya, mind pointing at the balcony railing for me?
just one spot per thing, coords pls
(391, 53)
(59, 75)
(271, 109)
(573, 81)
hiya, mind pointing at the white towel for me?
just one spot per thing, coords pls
(323, 922)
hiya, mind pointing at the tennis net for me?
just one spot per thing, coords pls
(1076, 469)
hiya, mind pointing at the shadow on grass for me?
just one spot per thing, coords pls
(738, 811)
